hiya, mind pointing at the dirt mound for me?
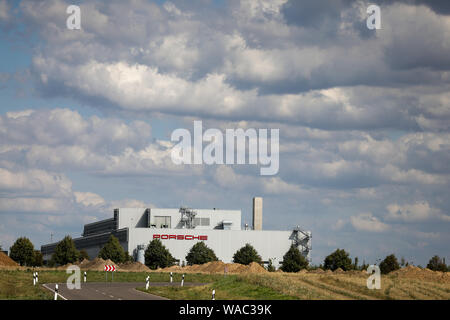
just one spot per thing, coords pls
(412, 272)
(7, 261)
(98, 264)
(133, 267)
(236, 268)
(83, 263)
(214, 267)
(217, 267)
(255, 268)
(339, 270)
(318, 270)
(171, 269)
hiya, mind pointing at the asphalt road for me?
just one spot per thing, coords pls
(108, 291)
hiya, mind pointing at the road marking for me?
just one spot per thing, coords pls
(111, 296)
(45, 286)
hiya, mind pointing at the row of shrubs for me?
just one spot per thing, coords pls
(158, 256)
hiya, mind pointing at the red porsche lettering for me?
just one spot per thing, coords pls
(179, 237)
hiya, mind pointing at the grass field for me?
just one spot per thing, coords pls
(308, 286)
(18, 285)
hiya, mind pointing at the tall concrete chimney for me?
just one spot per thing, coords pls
(257, 213)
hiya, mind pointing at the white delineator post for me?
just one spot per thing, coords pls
(85, 276)
(214, 294)
(171, 277)
(56, 292)
(37, 277)
(34, 279)
(147, 282)
(182, 280)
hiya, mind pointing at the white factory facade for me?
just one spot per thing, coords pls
(179, 229)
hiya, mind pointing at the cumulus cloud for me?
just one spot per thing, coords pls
(62, 138)
(368, 222)
(418, 211)
(245, 61)
(364, 115)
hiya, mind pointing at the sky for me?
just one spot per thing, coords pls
(86, 116)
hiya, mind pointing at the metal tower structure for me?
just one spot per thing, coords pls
(302, 240)
(187, 217)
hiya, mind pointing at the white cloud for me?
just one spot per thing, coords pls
(34, 182)
(368, 222)
(418, 211)
(89, 199)
(4, 11)
(338, 225)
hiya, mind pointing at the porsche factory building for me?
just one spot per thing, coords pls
(179, 229)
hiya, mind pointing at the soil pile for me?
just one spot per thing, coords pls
(412, 272)
(133, 267)
(7, 261)
(318, 270)
(255, 268)
(217, 267)
(98, 264)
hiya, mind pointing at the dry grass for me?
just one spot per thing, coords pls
(350, 286)
(406, 284)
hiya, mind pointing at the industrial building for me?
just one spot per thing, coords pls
(179, 229)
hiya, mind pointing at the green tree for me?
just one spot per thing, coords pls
(128, 257)
(270, 266)
(389, 264)
(65, 252)
(83, 255)
(293, 260)
(437, 264)
(338, 259)
(38, 259)
(355, 265)
(200, 254)
(22, 251)
(364, 266)
(246, 255)
(157, 255)
(112, 250)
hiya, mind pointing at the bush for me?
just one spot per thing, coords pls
(65, 252)
(22, 252)
(38, 259)
(200, 254)
(246, 255)
(83, 255)
(270, 266)
(338, 259)
(389, 264)
(128, 257)
(157, 255)
(113, 251)
(293, 260)
(437, 264)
